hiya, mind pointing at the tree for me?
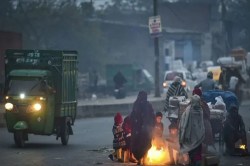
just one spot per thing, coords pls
(50, 24)
(6, 11)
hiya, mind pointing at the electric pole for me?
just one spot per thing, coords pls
(156, 50)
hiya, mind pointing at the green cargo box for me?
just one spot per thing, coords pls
(63, 67)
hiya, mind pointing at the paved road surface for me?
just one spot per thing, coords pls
(90, 145)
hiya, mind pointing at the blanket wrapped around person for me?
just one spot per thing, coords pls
(191, 130)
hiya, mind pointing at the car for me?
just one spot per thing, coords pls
(188, 81)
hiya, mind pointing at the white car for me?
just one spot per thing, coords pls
(187, 79)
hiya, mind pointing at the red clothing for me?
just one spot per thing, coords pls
(127, 125)
(127, 132)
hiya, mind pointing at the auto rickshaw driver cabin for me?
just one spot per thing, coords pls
(31, 109)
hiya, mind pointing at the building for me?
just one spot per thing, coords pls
(195, 28)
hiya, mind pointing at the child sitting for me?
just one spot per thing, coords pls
(128, 155)
(118, 141)
(158, 130)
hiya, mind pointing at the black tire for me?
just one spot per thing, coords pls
(19, 139)
(64, 133)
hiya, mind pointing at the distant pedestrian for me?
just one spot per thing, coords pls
(142, 123)
(93, 80)
(119, 80)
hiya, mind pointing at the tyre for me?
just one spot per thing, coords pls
(64, 133)
(19, 139)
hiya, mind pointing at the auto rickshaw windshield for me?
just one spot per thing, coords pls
(29, 87)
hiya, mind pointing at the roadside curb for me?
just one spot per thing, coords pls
(85, 111)
(105, 110)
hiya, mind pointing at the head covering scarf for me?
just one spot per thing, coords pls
(177, 79)
(142, 124)
(197, 91)
(118, 118)
(191, 128)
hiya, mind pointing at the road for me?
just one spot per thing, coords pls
(90, 145)
(91, 137)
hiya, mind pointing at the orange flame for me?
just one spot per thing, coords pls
(158, 154)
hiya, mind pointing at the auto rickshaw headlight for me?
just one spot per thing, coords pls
(22, 95)
(37, 107)
(9, 106)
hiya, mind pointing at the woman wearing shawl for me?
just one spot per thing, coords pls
(192, 132)
(142, 125)
(209, 139)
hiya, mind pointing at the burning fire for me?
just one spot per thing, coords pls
(243, 147)
(158, 154)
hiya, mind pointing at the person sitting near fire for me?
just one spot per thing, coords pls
(127, 154)
(173, 144)
(118, 141)
(142, 125)
(159, 127)
(234, 130)
(158, 140)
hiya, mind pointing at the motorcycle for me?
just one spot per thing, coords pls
(119, 93)
(177, 105)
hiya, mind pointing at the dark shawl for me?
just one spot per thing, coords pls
(142, 123)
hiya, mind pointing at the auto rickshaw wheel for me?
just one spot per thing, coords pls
(19, 138)
(65, 133)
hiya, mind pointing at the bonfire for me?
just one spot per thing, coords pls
(158, 154)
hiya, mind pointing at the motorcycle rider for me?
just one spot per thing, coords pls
(119, 81)
(175, 89)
